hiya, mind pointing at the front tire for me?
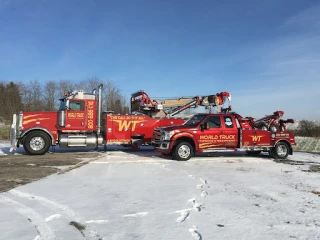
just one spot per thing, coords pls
(36, 143)
(280, 151)
(183, 151)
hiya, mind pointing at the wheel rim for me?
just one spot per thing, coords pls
(37, 143)
(282, 150)
(184, 151)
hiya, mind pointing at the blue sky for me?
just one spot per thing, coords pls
(265, 53)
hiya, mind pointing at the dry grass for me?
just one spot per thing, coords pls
(4, 132)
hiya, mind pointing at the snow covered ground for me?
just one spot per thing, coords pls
(142, 195)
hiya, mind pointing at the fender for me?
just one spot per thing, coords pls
(181, 135)
(41, 129)
(286, 141)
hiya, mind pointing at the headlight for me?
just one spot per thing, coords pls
(165, 136)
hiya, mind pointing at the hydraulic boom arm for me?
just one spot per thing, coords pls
(141, 102)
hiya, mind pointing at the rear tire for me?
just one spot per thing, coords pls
(280, 151)
(183, 151)
(36, 143)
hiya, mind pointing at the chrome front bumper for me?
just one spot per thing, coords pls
(162, 145)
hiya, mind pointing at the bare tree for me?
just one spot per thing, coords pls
(50, 96)
(64, 86)
(308, 129)
(88, 85)
(114, 100)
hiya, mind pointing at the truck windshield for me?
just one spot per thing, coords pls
(62, 104)
(195, 120)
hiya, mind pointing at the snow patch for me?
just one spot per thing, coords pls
(136, 214)
(97, 221)
(194, 233)
(184, 215)
(55, 216)
(34, 218)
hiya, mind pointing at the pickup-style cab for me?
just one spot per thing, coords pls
(223, 131)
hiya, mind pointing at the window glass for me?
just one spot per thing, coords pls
(228, 122)
(214, 121)
(194, 120)
(76, 105)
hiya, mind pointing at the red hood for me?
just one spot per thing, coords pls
(36, 119)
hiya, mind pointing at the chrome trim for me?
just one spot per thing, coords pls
(99, 110)
(184, 151)
(13, 135)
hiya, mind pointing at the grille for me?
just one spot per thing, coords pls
(156, 137)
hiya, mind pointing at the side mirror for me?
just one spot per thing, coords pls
(67, 104)
(205, 126)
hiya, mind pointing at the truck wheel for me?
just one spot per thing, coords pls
(183, 151)
(253, 153)
(280, 151)
(271, 153)
(36, 143)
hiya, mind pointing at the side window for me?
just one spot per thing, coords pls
(228, 122)
(214, 121)
(76, 105)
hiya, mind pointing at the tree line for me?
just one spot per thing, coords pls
(44, 96)
(307, 129)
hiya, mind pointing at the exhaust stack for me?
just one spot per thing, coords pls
(99, 109)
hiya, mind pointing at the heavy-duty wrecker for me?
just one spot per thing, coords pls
(226, 131)
(80, 121)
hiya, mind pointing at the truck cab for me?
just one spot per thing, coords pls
(223, 131)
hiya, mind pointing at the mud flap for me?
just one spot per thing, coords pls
(290, 151)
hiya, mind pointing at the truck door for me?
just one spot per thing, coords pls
(210, 138)
(229, 131)
(75, 115)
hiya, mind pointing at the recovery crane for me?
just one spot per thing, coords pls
(272, 122)
(141, 102)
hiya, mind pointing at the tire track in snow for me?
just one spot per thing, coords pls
(43, 229)
(88, 232)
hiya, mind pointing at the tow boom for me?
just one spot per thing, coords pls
(141, 102)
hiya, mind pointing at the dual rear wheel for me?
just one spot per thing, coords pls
(280, 151)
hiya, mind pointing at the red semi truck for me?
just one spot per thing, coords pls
(223, 131)
(80, 122)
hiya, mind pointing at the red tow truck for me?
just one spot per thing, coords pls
(224, 131)
(80, 121)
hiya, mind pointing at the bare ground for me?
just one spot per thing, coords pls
(17, 170)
